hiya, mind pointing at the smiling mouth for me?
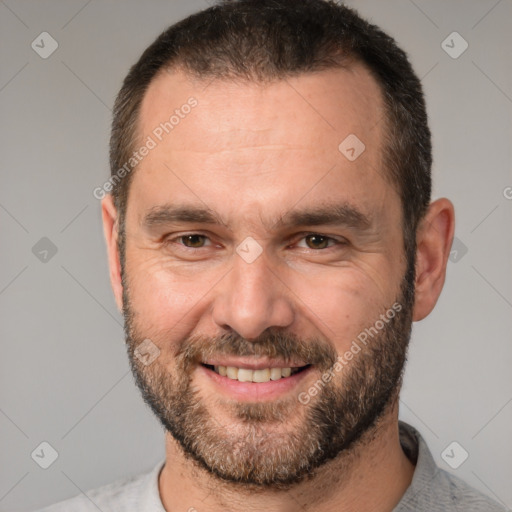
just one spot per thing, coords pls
(257, 376)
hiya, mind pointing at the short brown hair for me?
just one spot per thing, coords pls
(264, 40)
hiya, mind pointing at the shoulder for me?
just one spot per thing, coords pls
(122, 495)
(433, 489)
(455, 494)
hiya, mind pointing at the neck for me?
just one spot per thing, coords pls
(372, 476)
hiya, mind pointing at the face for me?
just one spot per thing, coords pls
(258, 258)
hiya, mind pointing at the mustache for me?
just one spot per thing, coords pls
(272, 344)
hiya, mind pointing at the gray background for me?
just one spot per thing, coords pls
(64, 373)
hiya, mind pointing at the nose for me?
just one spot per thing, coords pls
(251, 298)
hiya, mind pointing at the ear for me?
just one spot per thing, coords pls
(433, 243)
(110, 230)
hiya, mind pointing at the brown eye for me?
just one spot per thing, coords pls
(316, 241)
(193, 241)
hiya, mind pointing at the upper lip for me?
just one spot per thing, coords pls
(251, 364)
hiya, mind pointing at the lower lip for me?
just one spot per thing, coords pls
(252, 391)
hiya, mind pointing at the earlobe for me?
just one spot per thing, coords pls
(110, 230)
(433, 240)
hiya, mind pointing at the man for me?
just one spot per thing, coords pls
(271, 239)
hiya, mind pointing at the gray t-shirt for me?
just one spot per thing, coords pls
(432, 489)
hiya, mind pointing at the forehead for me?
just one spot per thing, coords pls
(310, 106)
(273, 140)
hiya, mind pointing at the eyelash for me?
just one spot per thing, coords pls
(336, 241)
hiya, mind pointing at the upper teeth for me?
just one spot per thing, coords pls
(246, 375)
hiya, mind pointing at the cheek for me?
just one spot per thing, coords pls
(165, 299)
(341, 303)
(337, 303)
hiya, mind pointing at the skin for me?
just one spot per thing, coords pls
(252, 153)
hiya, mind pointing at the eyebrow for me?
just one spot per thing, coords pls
(171, 214)
(343, 214)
